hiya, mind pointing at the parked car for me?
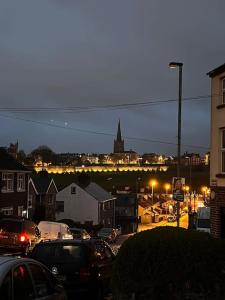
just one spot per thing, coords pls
(26, 279)
(83, 266)
(54, 230)
(107, 234)
(171, 218)
(18, 234)
(79, 233)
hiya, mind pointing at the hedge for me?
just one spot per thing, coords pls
(170, 263)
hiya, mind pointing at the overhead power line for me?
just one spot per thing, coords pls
(74, 109)
(66, 127)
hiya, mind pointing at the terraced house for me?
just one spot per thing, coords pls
(13, 185)
(217, 162)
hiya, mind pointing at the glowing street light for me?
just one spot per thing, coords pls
(167, 187)
(153, 183)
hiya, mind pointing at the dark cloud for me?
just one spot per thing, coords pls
(92, 52)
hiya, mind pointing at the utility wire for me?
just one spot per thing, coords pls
(100, 133)
(97, 107)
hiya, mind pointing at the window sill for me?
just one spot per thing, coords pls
(9, 191)
(221, 106)
(221, 175)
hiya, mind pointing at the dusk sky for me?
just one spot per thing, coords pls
(64, 58)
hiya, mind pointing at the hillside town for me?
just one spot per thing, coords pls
(112, 152)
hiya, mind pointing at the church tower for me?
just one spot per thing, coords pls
(118, 143)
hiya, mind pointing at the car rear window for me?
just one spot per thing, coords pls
(58, 253)
(11, 226)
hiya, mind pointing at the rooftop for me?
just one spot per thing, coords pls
(217, 71)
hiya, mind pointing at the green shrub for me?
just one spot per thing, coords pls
(170, 263)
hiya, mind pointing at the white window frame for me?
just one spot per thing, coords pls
(20, 182)
(20, 210)
(8, 182)
(223, 151)
(223, 90)
(7, 210)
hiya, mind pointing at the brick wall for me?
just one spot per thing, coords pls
(216, 204)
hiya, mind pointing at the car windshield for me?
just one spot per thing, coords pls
(11, 226)
(57, 253)
(75, 230)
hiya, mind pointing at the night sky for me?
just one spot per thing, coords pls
(66, 64)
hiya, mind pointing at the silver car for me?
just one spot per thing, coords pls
(27, 279)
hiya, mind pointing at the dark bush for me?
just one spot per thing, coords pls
(170, 263)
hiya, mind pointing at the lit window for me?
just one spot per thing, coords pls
(7, 179)
(7, 211)
(20, 211)
(223, 91)
(223, 151)
(20, 182)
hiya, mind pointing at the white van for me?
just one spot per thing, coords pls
(54, 231)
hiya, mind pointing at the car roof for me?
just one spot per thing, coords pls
(4, 259)
(69, 242)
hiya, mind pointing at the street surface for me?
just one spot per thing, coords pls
(183, 224)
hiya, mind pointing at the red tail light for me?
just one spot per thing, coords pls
(85, 274)
(23, 237)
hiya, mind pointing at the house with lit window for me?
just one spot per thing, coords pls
(42, 197)
(13, 185)
(85, 203)
(217, 153)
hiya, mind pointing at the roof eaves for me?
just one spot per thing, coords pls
(216, 71)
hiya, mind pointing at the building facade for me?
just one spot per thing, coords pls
(217, 154)
(85, 204)
(13, 185)
(42, 198)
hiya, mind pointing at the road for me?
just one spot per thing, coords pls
(183, 224)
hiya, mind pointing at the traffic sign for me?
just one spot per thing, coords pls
(178, 184)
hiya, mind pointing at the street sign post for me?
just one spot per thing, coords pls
(178, 184)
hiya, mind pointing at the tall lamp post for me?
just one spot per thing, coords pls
(153, 184)
(178, 65)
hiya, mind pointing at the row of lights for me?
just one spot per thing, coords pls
(153, 183)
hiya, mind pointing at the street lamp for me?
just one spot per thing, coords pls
(153, 183)
(178, 65)
(167, 187)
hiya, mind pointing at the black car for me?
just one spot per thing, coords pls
(83, 266)
(18, 234)
(26, 279)
(79, 233)
(107, 234)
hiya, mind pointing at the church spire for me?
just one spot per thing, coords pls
(119, 143)
(119, 136)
